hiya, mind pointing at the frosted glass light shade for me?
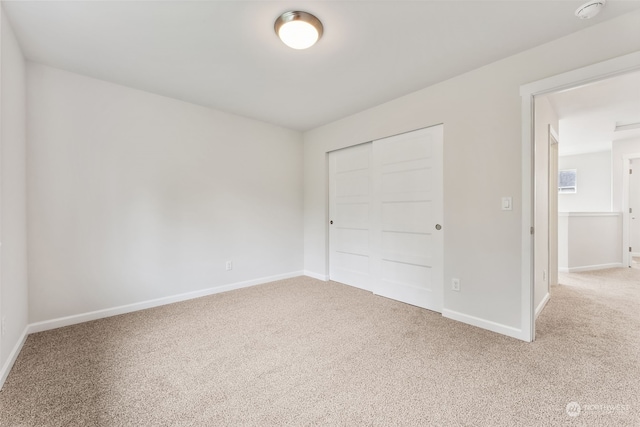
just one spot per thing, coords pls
(590, 9)
(298, 30)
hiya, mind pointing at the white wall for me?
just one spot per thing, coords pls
(590, 241)
(134, 196)
(13, 229)
(593, 183)
(481, 112)
(545, 116)
(563, 241)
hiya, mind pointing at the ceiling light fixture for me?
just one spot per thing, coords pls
(298, 30)
(590, 9)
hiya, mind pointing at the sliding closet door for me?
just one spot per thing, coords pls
(407, 231)
(385, 208)
(350, 216)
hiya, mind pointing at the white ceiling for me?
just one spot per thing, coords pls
(225, 55)
(589, 114)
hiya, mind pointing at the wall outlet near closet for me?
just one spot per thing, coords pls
(229, 265)
(455, 284)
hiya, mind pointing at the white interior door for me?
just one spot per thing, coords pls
(386, 205)
(408, 236)
(634, 213)
(350, 216)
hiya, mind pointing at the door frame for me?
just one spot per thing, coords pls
(569, 80)
(554, 143)
(626, 216)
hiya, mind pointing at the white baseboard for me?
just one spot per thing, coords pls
(540, 306)
(484, 324)
(108, 312)
(4, 373)
(589, 267)
(323, 277)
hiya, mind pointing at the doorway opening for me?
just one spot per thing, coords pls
(589, 216)
(535, 259)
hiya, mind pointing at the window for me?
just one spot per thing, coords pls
(567, 181)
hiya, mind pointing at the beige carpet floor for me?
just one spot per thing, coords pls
(303, 352)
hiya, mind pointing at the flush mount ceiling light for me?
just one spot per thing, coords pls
(590, 9)
(298, 30)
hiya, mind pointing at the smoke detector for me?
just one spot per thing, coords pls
(590, 9)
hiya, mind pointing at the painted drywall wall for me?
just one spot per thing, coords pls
(133, 196)
(593, 179)
(621, 148)
(544, 118)
(13, 227)
(590, 241)
(563, 241)
(481, 112)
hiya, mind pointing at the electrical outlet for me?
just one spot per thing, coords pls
(544, 275)
(455, 284)
(229, 266)
(3, 327)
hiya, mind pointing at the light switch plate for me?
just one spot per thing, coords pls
(507, 204)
